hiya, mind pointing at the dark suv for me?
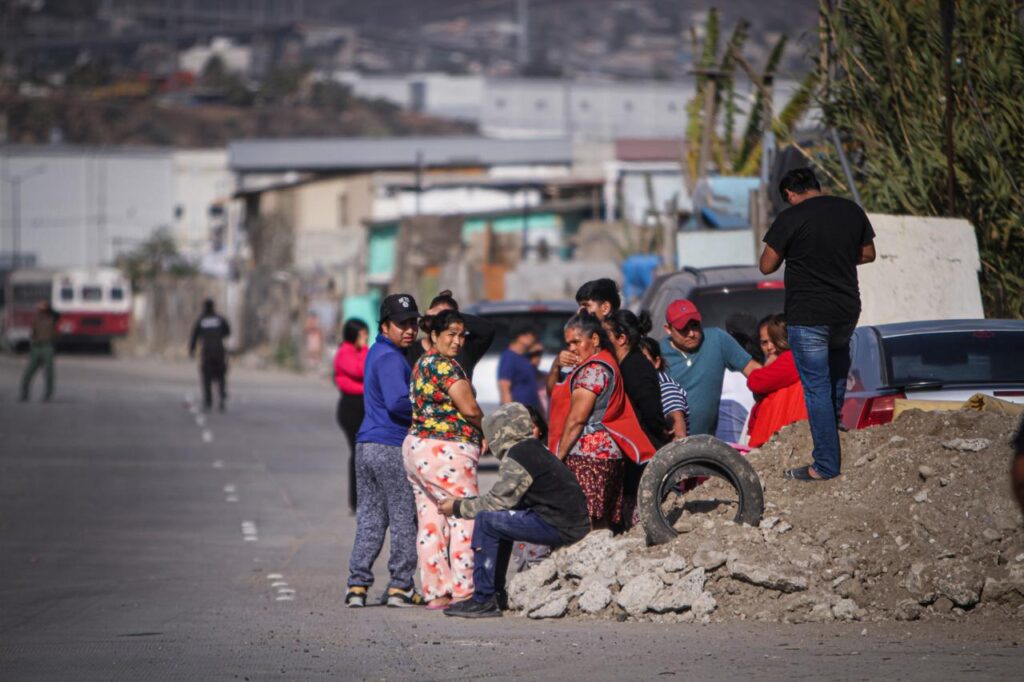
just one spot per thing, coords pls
(731, 297)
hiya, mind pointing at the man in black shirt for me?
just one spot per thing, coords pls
(479, 335)
(536, 499)
(822, 240)
(210, 330)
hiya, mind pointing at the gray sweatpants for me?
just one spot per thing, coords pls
(384, 500)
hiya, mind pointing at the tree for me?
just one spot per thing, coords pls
(885, 95)
(716, 70)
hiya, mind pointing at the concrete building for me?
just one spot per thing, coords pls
(236, 58)
(82, 206)
(515, 107)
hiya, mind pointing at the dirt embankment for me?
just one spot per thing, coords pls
(920, 525)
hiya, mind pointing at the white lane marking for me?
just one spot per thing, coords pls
(200, 420)
(274, 576)
(249, 533)
(231, 498)
(279, 583)
(218, 464)
(231, 488)
(207, 436)
(285, 597)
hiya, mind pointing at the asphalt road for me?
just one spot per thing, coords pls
(137, 543)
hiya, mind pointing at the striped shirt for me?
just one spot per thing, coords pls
(673, 398)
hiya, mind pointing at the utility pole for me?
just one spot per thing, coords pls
(15, 181)
(948, 9)
(523, 44)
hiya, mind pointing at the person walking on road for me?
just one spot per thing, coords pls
(536, 499)
(385, 499)
(822, 239)
(41, 350)
(210, 330)
(517, 376)
(697, 359)
(441, 454)
(349, 367)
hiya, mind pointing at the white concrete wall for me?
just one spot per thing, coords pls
(80, 206)
(201, 180)
(927, 269)
(710, 248)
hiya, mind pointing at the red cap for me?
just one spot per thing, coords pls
(680, 313)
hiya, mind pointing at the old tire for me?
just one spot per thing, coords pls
(691, 457)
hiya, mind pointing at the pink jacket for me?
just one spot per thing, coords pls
(349, 365)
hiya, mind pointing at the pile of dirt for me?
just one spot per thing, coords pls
(921, 524)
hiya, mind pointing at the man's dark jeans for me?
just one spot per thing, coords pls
(493, 535)
(822, 356)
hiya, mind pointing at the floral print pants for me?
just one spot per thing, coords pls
(438, 469)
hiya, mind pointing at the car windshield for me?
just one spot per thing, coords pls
(548, 326)
(92, 293)
(955, 358)
(738, 310)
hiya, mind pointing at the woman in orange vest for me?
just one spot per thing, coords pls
(593, 425)
(776, 386)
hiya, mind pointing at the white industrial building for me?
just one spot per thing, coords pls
(82, 206)
(511, 107)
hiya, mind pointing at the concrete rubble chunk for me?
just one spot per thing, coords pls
(709, 559)
(595, 598)
(768, 522)
(595, 553)
(1009, 591)
(846, 609)
(820, 613)
(673, 563)
(925, 472)
(967, 444)
(555, 608)
(637, 594)
(680, 595)
(704, 605)
(527, 583)
(771, 577)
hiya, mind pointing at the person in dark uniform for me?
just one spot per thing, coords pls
(211, 329)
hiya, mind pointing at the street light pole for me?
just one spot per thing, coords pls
(15, 182)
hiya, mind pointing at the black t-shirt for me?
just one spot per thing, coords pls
(820, 239)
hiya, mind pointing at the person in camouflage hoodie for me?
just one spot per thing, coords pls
(535, 499)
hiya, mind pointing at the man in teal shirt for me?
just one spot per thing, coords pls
(697, 359)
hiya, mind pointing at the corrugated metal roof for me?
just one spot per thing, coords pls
(355, 153)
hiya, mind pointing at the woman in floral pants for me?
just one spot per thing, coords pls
(441, 454)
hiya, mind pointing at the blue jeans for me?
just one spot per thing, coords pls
(822, 356)
(493, 535)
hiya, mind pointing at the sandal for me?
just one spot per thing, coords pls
(801, 474)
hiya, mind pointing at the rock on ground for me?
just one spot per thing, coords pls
(920, 525)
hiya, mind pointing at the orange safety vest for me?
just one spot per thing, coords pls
(614, 412)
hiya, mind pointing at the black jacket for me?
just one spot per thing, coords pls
(530, 477)
(210, 330)
(643, 389)
(479, 337)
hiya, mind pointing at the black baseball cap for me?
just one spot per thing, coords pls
(398, 308)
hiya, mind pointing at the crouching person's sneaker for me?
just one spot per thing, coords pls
(398, 598)
(471, 608)
(355, 597)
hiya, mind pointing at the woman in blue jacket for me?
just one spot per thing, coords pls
(384, 496)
